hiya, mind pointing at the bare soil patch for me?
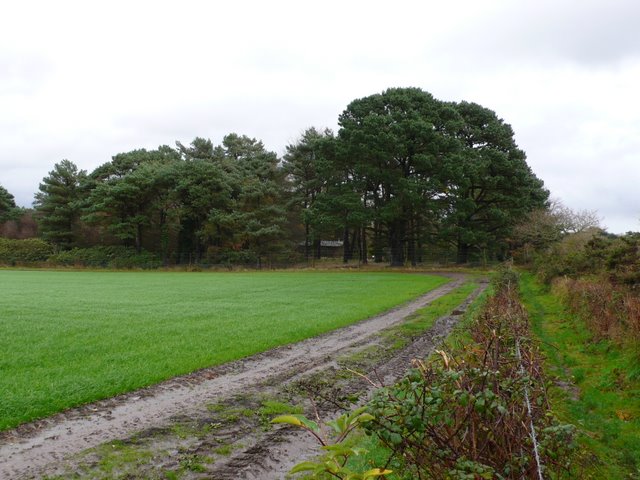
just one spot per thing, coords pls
(213, 423)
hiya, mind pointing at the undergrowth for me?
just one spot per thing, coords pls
(597, 384)
(610, 311)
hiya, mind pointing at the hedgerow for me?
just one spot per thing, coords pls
(109, 257)
(18, 252)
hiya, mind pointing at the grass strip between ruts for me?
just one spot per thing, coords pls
(376, 453)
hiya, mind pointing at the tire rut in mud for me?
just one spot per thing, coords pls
(273, 455)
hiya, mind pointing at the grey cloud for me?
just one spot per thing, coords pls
(605, 181)
(274, 121)
(591, 33)
(22, 73)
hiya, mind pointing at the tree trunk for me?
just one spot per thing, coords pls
(164, 238)
(197, 249)
(306, 241)
(396, 243)
(463, 253)
(346, 250)
(355, 241)
(411, 247)
(139, 238)
(419, 239)
(377, 243)
(363, 248)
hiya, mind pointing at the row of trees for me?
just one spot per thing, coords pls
(223, 201)
(405, 174)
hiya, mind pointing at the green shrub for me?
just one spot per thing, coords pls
(576, 255)
(14, 252)
(505, 277)
(227, 256)
(106, 257)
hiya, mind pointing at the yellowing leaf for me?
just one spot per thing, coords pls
(623, 415)
(289, 419)
(376, 472)
(365, 417)
(305, 467)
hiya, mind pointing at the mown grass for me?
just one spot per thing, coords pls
(599, 388)
(68, 338)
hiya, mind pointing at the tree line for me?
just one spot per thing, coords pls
(405, 175)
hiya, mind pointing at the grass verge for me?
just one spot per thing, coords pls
(68, 338)
(597, 385)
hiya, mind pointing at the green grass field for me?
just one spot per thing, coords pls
(68, 338)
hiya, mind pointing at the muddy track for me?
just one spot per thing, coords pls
(40, 448)
(272, 456)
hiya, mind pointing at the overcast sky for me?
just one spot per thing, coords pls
(86, 80)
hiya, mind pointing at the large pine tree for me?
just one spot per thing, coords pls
(58, 204)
